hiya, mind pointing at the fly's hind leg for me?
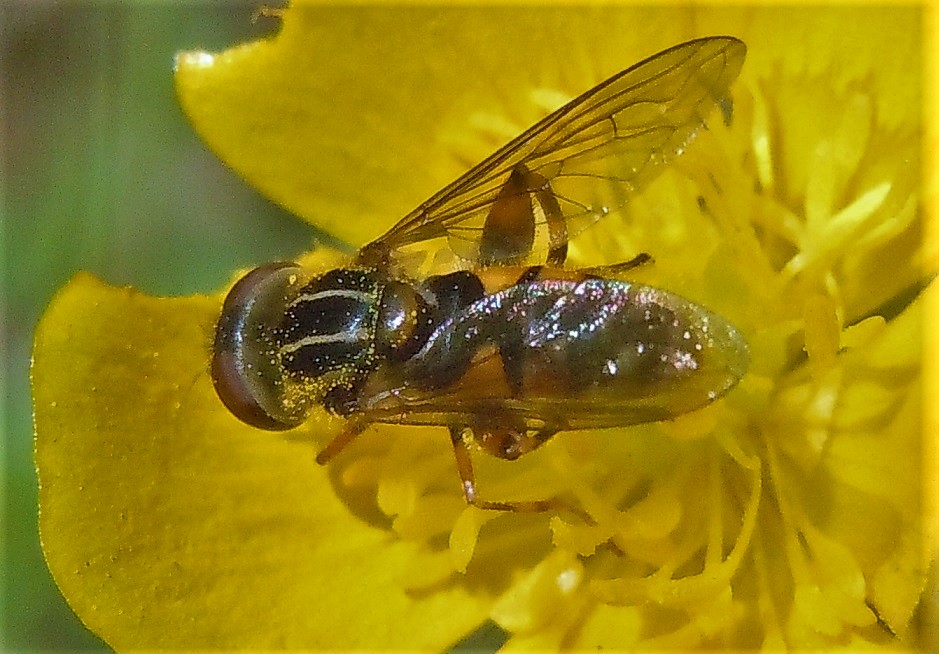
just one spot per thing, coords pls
(508, 235)
(533, 273)
(464, 465)
(614, 269)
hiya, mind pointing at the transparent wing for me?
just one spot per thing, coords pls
(594, 152)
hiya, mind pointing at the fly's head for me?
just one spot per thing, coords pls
(284, 345)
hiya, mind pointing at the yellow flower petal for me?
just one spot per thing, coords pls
(542, 596)
(168, 524)
(350, 117)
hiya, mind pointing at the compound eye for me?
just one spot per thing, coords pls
(246, 368)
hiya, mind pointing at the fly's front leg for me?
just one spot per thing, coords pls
(337, 444)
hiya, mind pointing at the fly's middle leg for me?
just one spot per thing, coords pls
(464, 464)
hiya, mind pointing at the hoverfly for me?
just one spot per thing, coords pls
(507, 346)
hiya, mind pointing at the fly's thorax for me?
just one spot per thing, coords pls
(326, 339)
(409, 315)
(345, 324)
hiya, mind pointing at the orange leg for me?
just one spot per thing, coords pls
(509, 230)
(464, 465)
(339, 443)
(614, 269)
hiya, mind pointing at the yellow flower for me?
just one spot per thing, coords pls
(787, 514)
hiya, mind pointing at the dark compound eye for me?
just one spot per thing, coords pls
(246, 369)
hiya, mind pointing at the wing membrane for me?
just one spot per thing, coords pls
(595, 151)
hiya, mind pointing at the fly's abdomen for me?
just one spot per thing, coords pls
(626, 341)
(596, 343)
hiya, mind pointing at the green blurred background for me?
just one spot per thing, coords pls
(101, 172)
